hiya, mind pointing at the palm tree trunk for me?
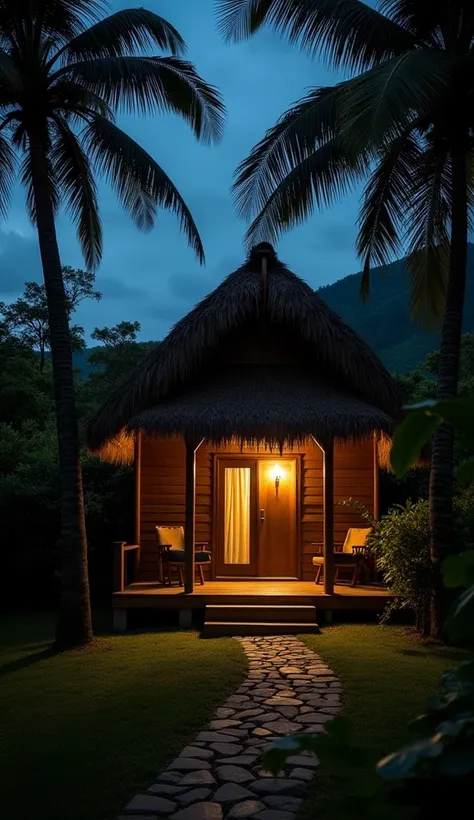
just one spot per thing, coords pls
(74, 623)
(442, 460)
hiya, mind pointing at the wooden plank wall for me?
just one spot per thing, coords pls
(353, 478)
(163, 496)
(163, 488)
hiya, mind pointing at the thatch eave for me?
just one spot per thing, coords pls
(256, 404)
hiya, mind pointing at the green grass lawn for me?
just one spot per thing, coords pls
(387, 676)
(81, 733)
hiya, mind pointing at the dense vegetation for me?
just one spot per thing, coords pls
(29, 482)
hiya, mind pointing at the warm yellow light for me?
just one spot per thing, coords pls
(277, 473)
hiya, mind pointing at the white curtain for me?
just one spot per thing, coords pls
(237, 515)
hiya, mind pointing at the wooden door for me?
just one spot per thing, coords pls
(277, 541)
(237, 517)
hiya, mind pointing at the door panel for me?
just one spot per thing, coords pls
(277, 548)
(237, 512)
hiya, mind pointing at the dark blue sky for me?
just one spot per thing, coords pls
(154, 278)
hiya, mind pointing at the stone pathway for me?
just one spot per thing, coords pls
(288, 689)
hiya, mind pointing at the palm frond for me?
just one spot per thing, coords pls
(23, 22)
(149, 84)
(11, 80)
(429, 195)
(76, 101)
(317, 181)
(140, 183)
(73, 172)
(7, 174)
(346, 32)
(470, 188)
(295, 136)
(437, 23)
(126, 31)
(384, 206)
(384, 101)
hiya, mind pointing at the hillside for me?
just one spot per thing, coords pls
(384, 321)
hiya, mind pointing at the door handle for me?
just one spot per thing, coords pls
(262, 515)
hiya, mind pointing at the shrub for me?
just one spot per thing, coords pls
(400, 543)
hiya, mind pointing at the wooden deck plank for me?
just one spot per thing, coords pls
(154, 596)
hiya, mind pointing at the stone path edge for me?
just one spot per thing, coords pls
(219, 775)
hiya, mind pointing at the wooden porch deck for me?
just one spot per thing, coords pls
(142, 595)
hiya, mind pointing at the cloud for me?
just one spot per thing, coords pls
(19, 262)
(112, 287)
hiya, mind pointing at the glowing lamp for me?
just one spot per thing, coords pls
(276, 473)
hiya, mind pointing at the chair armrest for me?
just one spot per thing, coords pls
(320, 547)
(120, 564)
(359, 550)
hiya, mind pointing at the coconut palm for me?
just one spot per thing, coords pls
(403, 124)
(65, 70)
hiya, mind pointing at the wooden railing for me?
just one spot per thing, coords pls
(121, 548)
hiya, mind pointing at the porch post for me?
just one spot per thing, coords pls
(138, 501)
(192, 446)
(138, 478)
(376, 477)
(328, 490)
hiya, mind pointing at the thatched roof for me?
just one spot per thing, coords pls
(339, 387)
(262, 403)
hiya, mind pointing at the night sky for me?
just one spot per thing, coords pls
(154, 278)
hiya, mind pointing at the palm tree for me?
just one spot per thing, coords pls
(64, 72)
(402, 123)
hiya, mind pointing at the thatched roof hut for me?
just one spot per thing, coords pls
(261, 358)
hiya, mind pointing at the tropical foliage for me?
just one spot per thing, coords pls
(29, 481)
(27, 318)
(65, 71)
(402, 124)
(401, 546)
(434, 773)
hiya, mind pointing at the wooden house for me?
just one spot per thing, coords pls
(249, 425)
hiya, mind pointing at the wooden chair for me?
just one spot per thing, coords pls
(352, 557)
(172, 555)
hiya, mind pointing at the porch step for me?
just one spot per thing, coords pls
(260, 612)
(228, 620)
(220, 629)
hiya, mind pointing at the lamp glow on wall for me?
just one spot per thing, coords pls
(277, 473)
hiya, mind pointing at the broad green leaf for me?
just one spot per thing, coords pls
(465, 472)
(457, 760)
(458, 570)
(459, 412)
(333, 748)
(465, 671)
(275, 758)
(404, 763)
(410, 437)
(460, 624)
(341, 730)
